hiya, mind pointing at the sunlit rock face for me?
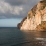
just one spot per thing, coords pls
(35, 16)
(44, 15)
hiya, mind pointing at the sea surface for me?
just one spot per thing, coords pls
(12, 36)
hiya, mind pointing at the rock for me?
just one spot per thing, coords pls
(36, 17)
(20, 24)
(41, 26)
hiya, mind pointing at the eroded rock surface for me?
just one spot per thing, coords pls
(36, 16)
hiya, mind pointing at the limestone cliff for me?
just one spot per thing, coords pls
(36, 16)
(41, 26)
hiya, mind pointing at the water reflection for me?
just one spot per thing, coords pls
(40, 34)
(34, 39)
(15, 37)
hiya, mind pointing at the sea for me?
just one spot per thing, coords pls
(12, 36)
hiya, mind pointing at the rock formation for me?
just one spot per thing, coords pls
(36, 18)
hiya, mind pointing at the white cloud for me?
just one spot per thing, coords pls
(6, 7)
(16, 8)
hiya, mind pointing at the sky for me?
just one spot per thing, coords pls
(12, 11)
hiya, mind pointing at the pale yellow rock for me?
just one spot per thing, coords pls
(35, 18)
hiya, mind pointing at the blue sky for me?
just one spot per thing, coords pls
(9, 22)
(12, 11)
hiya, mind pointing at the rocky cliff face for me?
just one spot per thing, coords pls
(36, 16)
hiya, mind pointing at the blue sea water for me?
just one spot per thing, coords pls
(12, 36)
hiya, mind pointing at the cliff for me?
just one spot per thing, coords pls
(36, 18)
(42, 26)
(20, 24)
